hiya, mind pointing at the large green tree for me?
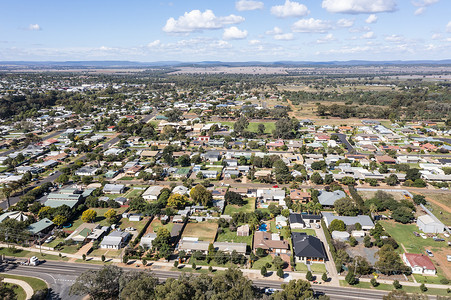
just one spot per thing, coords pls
(294, 290)
(201, 195)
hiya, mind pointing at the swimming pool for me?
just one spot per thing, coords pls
(262, 227)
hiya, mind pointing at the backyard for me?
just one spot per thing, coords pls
(99, 219)
(230, 209)
(230, 236)
(153, 227)
(205, 231)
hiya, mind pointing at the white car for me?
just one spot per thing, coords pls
(423, 236)
(448, 257)
(49, 239)
(429, 253)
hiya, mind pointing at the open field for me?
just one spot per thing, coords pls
(370, 194)
(248, 207)
(99, 219)
(155, 224)
(205, 231)
(440, 205)
(253, 126)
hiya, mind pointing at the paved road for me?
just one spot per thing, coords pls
(61, 276)
(343, 139)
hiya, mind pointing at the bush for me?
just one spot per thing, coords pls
(280, 273)
(350, 278)
(367, 241)
(84, 256)
(423, 288)
(263, 271)
(324, 277)
(352, 241)
(396, 284)
(102, 258)
(374, 282)
(210, 268)
(309, 276)
(144, 261)
(444, 281)
(194, 266)
(176, 264)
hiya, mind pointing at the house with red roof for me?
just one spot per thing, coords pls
(274, 145)
(429, 147)
(419, 263)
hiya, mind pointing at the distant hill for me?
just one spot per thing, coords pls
(125, 64)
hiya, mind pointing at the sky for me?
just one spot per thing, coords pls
(225, 30)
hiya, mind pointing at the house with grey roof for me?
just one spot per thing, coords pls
(228, 247)
(364, 220)
(328, 198)
(152, 192)
(307, 248)
(146, 240)
(42, 226)
(115, 240)
(113, 188)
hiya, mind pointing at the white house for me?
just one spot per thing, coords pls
(419, 263)
(430, 224)
(152, 192)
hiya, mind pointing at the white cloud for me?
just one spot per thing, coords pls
(419, 11)
(359, 6)
(275, 30)
(436, 36)
(197, 20)
(345, 23)
(290, 9)
(154, 44)
(328, 38)
(368, 35)
(448, 27)
(422, 4)
(284, 37)
(243, 5)
(394, 38)
(371, 19)
(34, 27)
(311, 25)
(254, 42)
(233, 33)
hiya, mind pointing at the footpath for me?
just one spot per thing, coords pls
(27, 288)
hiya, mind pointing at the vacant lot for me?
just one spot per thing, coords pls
(253, 126)
(248, 207)
(204, 231)
(440, 205)
(99, 219)
(153, 227)
(368, 195)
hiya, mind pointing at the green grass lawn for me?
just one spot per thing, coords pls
(125, 223)
(389, 287)
(308, 231)
(253, 126)
(99, 219)
(205, 231)
(107, 252)
(157, 224)
(230, 236)
(317, 269)
(429, 279)
(440, 213)
(258, 264)
(403, 233)
(36, 283)
(248, 207)
(18, 290)
(26, 254)
(134, 193)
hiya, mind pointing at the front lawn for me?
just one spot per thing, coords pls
(27, 254)
(157, 224)
(389, 287)
(125, 223)
(262, 261)
(36, 283)
(308, 231)
(107, 252)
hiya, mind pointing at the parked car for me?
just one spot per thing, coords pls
(275, 186)
(429, 253)
(416, 233)
(448, 257)
(49, 239)
(423, 236)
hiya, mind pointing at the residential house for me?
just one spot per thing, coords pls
(115, 240)
(190, 245)
(86, 171)
(228, 247)
(299, 195)
(364, 220)
(419, 263)
(307, 249)
(152, 192)
(40, 227)
(113, 188)
(270, 242)
(146, 240)
(271, 194)
(243, 230)
(327, 199)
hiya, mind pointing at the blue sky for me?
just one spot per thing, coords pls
(244, 30)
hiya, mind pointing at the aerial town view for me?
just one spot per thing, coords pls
(244, 149)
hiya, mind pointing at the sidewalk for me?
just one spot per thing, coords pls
(330, 264)
(27, 288)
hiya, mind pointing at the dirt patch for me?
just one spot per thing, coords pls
(438, 203)
(441, 262)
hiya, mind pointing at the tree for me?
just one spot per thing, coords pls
(328, 179)
(176, 264)
(98, 284)
(184, 160)
(263, 271)
(337, 225)
(194, 266)
(348, 180)
(362, 266)
(316, 178)
(240, 125)
(374, 282)
(350, 278)
(261, 128)
(280, 272)
(309, 276)
(345, 207)
(392, 180)
(367, 241)
(6, 191)
(295, 289)
(201, 195)
(88, 216)
(59, 220)
(352, 241)
(402, 214)
(7, 291)
(177, 200)
(103, 258)
(141, 287)
(419, 199)
(413, 174)
(396, 284)
(111, 216)
(423, 288)
(62, 179)
(324, 277)
(389, 261)
(163, 238)
(282, 172)
(234, 198)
